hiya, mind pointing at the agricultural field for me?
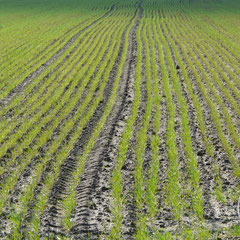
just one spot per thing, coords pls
(120, 119)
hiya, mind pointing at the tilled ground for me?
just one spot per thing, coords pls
(92, 216)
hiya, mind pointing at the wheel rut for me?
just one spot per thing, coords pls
(25, 176)
(93, 192)
(59, 190)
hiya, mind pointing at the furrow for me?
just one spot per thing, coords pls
(28, 79)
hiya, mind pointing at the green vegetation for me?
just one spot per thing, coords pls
(119, 119)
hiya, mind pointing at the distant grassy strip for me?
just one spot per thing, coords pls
(220, 54)
(229, 22)
(27, 54)
(31, 62)
(7, 87)
(231, 45)
(219, 28)
(29, 71)
(11, 51)
(215, 43)
(209, 61)
(43, 23)
(15, 54)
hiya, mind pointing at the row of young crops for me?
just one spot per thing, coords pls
(121, 122)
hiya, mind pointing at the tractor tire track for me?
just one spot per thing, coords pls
(23, 179)
(93, 192)
(68, 167)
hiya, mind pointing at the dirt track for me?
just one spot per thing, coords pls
(92, 216)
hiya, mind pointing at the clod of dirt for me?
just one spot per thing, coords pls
(201, 153)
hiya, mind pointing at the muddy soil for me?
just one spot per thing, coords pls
(92, 216)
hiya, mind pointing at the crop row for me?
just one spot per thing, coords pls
(53, 143)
